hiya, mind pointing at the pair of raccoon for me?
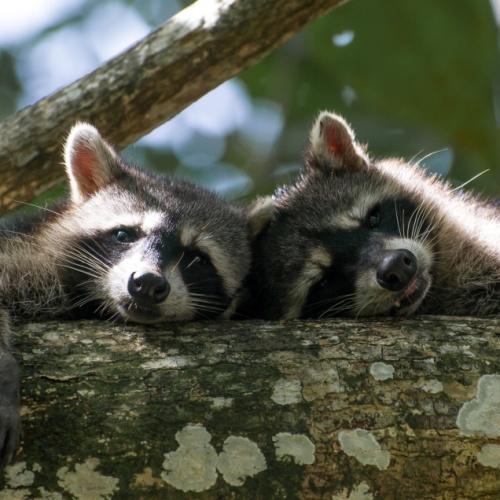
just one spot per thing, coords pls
(349, 237)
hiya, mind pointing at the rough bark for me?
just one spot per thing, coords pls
(332, 409)
(196, 50)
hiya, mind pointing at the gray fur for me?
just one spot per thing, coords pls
(458, 255)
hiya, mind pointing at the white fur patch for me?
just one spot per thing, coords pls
(151, 220)
(103, 212)
(321, 257)
(260, 213)
(312, 271)
(147, 222)
(189, 235)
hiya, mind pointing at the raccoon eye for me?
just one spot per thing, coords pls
(198, 259)
(203, 261)
(373, 218)
(125, 235)
(323, 283)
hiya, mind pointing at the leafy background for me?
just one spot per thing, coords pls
(415, 79)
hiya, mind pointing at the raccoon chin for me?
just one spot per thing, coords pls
(373, 300)
(410, 299)
(132, 312)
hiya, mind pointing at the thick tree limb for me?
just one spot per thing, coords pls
(261, 410)
(196, 50)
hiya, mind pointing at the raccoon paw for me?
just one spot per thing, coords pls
(10, 421)
(10, 430)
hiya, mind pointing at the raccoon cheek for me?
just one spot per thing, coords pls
(115, 283)
(115, 286)
(178, 305)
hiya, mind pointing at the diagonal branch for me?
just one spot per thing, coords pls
(196, 50)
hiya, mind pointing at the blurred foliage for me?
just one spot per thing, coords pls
(415, 79)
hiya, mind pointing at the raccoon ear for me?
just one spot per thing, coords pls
(259, 214)
(333, 145)
(91, 163)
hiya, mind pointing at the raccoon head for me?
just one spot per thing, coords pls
(144, 247)
(345, 239)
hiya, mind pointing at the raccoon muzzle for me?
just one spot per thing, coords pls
(148, 288)
(396, 270)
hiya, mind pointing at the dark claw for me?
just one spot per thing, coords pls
(10, 423)
(10, 438)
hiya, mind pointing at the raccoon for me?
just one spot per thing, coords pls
(356, 237)
(127, 245)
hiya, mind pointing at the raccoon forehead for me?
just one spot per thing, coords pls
(90, 223)
(93, 218)
(333, 203)
(109, 209)
(351, 215)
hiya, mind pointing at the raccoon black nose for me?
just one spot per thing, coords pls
(148, 287)
(396, 270)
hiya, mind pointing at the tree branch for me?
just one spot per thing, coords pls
(196, 50)
(319, 409)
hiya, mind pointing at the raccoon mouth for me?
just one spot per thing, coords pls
(410, 298)
(137, 313)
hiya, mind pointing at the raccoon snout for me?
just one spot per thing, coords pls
(148, 287)
(396, 270)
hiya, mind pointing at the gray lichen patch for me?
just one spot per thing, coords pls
(489, 456)
(19, 494)
(18, 475)
(220, 402)
(363, 446)
(359, 492)
(168, 362)
(49, 495)
(296, 447)
(481, 416)
(239, 459)
(381, 371)
(287, 391)
(192, 466)
(53, 338)
(432, 386)
(320, 380)
(86, 483)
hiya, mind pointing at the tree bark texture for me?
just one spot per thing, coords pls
(336, 409)
(196, 50)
